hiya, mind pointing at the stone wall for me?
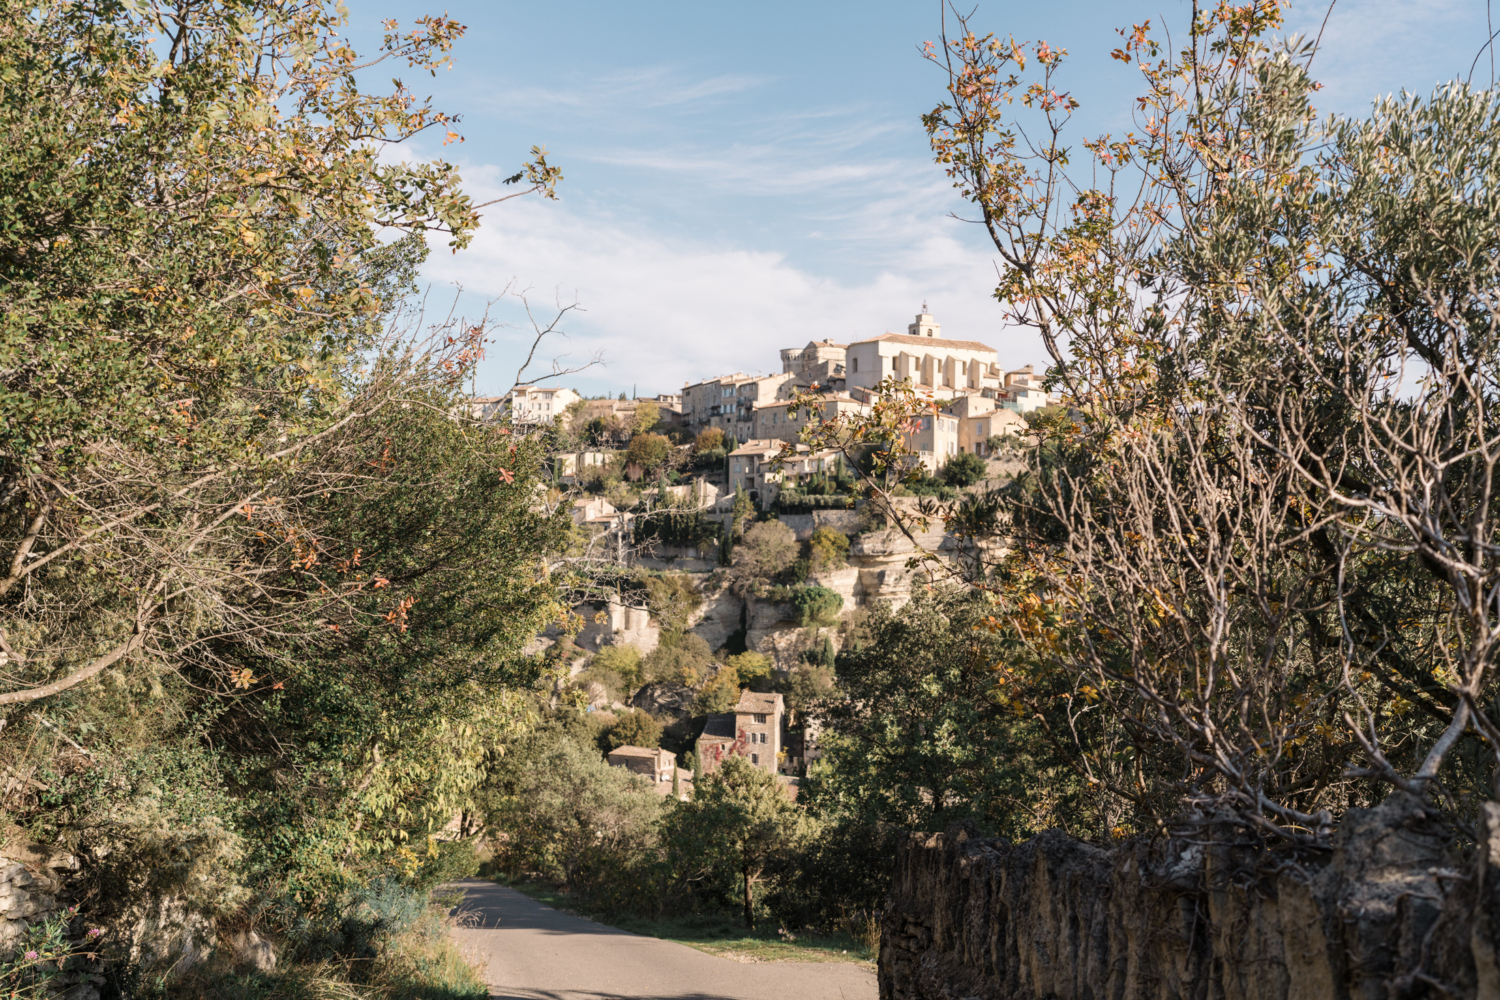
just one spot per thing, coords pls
(1391, 910)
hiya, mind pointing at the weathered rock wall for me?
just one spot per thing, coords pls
(1392, 910)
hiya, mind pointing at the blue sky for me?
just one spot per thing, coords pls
(745, 177)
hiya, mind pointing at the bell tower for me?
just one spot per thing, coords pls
(925, 325)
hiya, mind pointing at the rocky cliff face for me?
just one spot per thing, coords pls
(1391, 911)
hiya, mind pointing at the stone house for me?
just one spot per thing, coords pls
(933, 362)
(820, 363)
(980, 417)
(752, 466)
(935, 440)
(774, 421)
(728, 402)
(571, 464)
(656, 766)
(753, 731)
(534, 405)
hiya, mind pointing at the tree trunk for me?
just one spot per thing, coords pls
(749, 900)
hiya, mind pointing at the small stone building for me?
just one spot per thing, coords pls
(753, 731)
(656, 766)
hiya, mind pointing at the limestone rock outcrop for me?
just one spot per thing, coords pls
(1390, 911)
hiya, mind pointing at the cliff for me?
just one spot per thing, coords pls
(1391, 910)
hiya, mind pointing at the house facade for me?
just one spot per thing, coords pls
(933, 362)
(753, 731)
(979, 418)
(655, 765)
(532, 405)
(728, 402)
(934, 440)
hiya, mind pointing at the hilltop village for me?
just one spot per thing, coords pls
(720, 563)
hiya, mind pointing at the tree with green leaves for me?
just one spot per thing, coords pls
(914, 737)
(634, 729)
(964, 469)
(741, 818)
(649, 451)
(241, 504)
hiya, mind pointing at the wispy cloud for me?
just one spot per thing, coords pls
(665, 311)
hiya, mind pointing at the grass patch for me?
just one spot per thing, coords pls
(423, 963)
(717, 933)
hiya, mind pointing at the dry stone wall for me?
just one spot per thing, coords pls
(1392, 910)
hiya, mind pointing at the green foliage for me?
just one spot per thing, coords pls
(635, 729)
(964, 469)
(719, 693)
(742, 512)
(739, 820)
(915, 739)
(751, 667)
(829, 547)
(647, 415)
(814, 605)
(573, 818)
(49, 957)
(649, 451)
(711, 439)
(680, 658)
(618, 668)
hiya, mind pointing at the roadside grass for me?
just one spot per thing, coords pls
(716, 933)
(422, 963)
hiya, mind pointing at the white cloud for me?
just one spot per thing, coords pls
(668, 311)
(1375, 47)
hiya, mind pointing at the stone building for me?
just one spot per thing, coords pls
(531, 404)
(933, 362)
(980, 418)
(656, 766)
(752, 731)
(934, 441)
(820, 363)
(728, 402)
(775, 421)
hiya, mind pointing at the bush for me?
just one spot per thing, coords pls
(816, 605)
(635, 729)
(830, 548)
(709, 440)
(619, 663)
(649, 451)
(712, 458)
(680, 659)
(964, 469)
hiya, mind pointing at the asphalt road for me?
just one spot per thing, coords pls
(533, 952)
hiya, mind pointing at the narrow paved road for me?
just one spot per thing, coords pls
(533, 952)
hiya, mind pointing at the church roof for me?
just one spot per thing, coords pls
(902, 338)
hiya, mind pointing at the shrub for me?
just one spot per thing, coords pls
(649, 451)
(709, 440)
(680, 659)
(816, 605)
(830, 548)
(964, 469)
(624, 662)
(635, 729)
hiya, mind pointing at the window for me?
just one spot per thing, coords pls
(763, 737)
(760, 719)
(978, 428)
(856, 364)
(755, 758)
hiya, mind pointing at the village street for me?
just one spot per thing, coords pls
(532, 952)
